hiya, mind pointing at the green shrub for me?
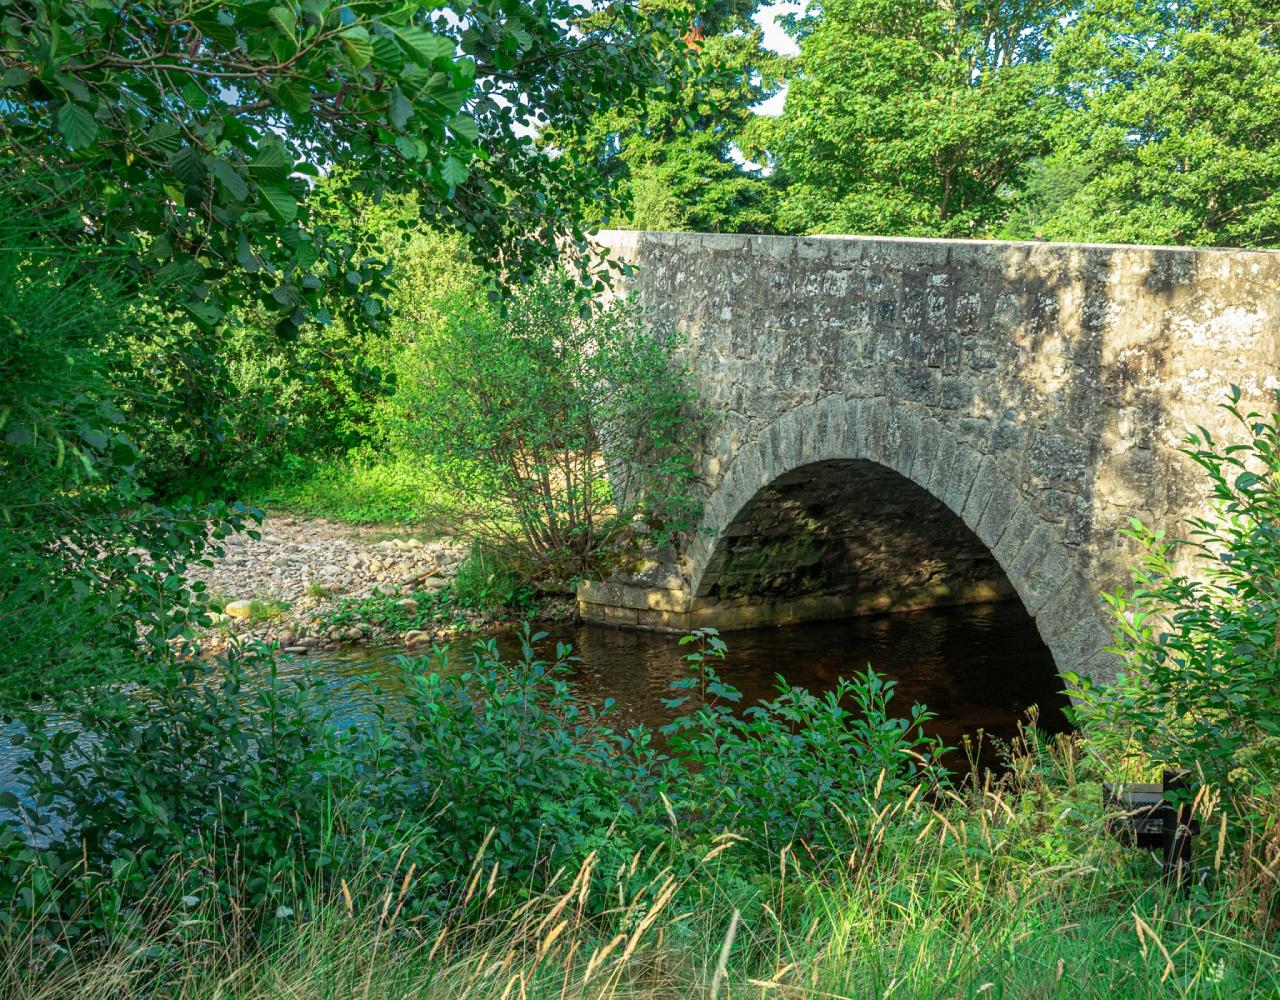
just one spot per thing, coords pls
(487, 580)
(243, 784)
(798, 767)
(1201, 681)
(236, 782)
(91, 565)
(553, 432)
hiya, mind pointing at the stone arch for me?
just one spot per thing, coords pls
(1046, 574)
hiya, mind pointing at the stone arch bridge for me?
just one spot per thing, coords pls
(900, 423)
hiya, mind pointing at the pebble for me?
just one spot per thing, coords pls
(311, 564)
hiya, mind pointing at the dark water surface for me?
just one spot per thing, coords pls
(978, 667)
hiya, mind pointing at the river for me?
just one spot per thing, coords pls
(979, 668)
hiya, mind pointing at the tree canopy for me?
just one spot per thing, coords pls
(911, 117)
(192, 133)
(674, 160)
(1173, 132)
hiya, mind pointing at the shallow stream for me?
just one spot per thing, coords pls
(979, 668)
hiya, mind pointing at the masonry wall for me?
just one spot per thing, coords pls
(1049, 384)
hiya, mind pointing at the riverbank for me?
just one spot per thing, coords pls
(311, 583)
(1004, 889)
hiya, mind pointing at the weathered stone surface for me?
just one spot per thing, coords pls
(238, 609)
(902, 421)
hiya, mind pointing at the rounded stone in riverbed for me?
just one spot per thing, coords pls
(297, 650)
(238, 609)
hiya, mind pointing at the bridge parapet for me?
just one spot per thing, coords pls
(897, 423)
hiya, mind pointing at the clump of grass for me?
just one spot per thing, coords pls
(216, 600)
(486, 580)
(360, 489)
(1008, 888)
(270, 609)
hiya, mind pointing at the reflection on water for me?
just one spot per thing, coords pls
(978, 667)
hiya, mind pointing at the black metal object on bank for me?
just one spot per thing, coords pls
(1156, 817)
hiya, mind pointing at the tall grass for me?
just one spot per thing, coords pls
(1004, 888)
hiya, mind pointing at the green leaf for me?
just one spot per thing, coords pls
(188, 165)
(293, 95)
(194, 95)
(423, 46)
(439, 90)
(279, 203)
(387, 54)
(465, 127)
(205, 313)
(408, 148)
(272, 163)
(401, 109)
(78, 126)
(453, 171)
(359, 46)
(245, 256)
(231, 180)
(284, 17)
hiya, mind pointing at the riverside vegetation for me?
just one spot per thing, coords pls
(312, 254)
(222, 836)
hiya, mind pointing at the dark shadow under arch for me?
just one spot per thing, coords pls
(847, 537)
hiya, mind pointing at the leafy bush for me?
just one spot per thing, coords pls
(555, 432)
(238, 782)
(799, 766)
(507, 755)
(234, 782)
(486, 580)
(384, 610)
(90, 563)
(1201, 684)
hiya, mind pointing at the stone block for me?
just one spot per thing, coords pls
(985, 484)
(1037, 578)
(876, 417)
(940, 475)
(964, 469)
(995, 517)
(930, 435)
(1019, 528)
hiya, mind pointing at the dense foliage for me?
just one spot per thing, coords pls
(227, 824)
(189, 133)
(675, 161)
(1201, 632)
(558, 431)
(91, 584)
(248, 786)
(1173, 135)
(912, 117)
(1085, 120)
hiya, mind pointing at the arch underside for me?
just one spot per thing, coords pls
(820, 493)
(841, 538)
